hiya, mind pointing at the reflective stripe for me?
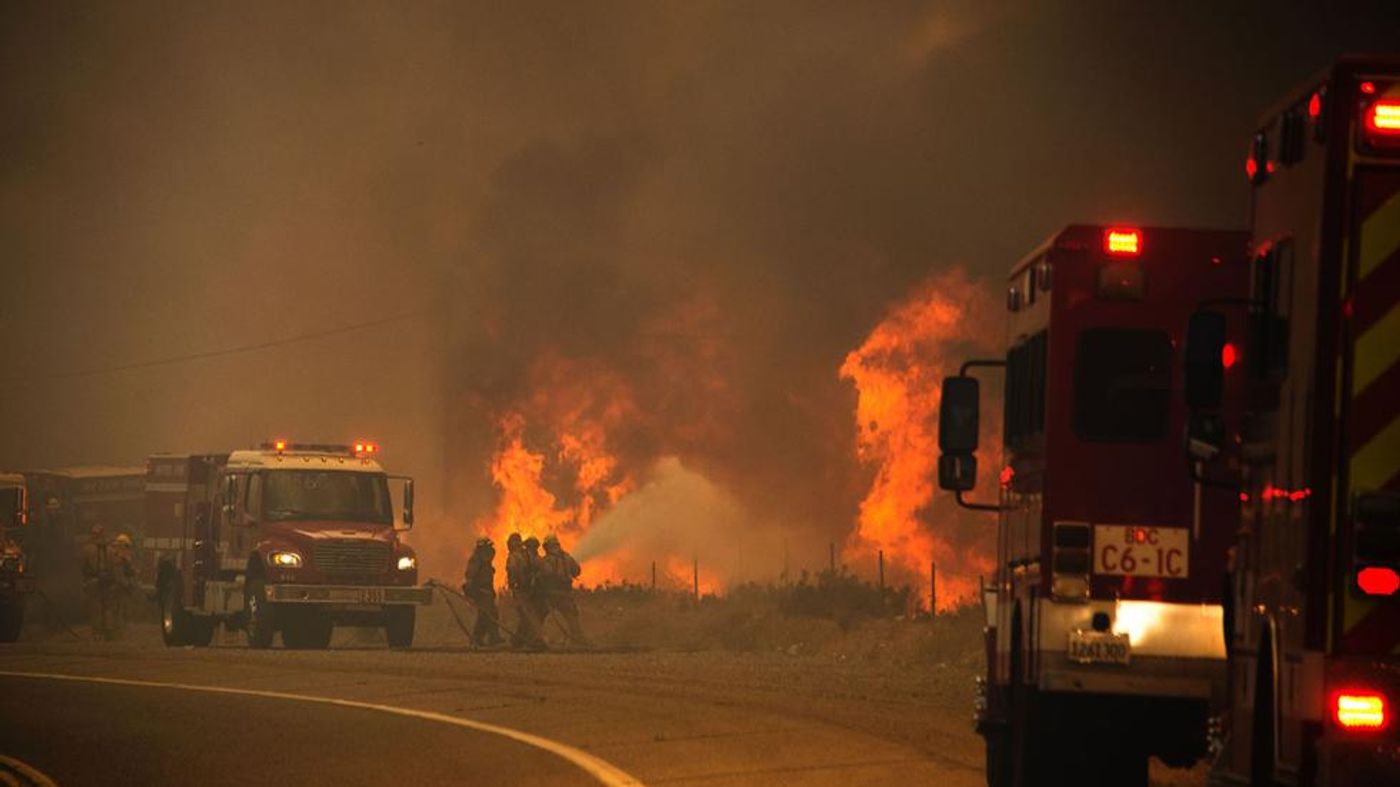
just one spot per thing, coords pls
(1380, 236)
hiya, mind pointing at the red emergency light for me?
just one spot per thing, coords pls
(1229, 355)
(1383, 117)
(1122, 242)
(1360, 710)
(365, 448)
(1378, 581)
(279, 445)
(1315, 105)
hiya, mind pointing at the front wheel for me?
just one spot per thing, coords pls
(398, 625)
(11, 620)
(260, 624)
(174, 620)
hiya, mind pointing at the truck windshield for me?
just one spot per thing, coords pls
(313, 494)
(1122, 385)
(10, 497)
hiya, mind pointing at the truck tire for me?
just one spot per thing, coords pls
(998, 757)
(11, 621)
(1262, 756)
(307, 629)
(260, 622)
(398, 625)
(174, 620)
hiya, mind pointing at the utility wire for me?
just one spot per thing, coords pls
(246, 348)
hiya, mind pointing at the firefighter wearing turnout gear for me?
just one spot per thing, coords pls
(98, 584)
(123, 581)
(557, 578)
(519, 580)
(537, 599)
(479, 586)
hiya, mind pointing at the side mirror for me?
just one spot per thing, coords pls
(957, 472)
(1205, 365)
(958, 416)
(408, 503)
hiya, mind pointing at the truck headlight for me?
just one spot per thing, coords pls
(408, 563)
(286, 559)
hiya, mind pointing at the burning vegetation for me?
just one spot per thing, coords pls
(625, 489)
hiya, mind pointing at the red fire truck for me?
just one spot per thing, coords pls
(1105, 641)
(15, 583)
(291, 538)
(1315, 641)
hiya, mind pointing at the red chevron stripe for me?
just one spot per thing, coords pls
(1376, 295)
(1374, 408)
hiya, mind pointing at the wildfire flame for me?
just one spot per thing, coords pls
(897, 373)
(559, 482)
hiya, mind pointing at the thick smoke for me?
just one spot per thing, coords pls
(672, 221)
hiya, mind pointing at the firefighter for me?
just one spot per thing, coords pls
(123, 565)
(558, 572)
(479, 586)
(527, 626)
(97, 583)
(536, 594)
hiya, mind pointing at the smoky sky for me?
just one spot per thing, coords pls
(714, 202)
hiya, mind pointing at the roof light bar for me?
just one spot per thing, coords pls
(1122, 242)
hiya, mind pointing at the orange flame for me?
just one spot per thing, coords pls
(898, 372)
(559, 483)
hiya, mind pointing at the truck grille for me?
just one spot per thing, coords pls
(351, 557)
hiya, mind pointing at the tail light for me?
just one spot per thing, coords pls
(1378, 581)
(1070, 561)
(1360, 710)
(1383, 117)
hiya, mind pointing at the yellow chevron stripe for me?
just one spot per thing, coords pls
(1376, 350)
(1378, 460)
(1380, 236)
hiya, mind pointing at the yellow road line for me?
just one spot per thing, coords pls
(605, 772)
(26, 771)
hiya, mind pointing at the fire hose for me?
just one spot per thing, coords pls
(448, 591)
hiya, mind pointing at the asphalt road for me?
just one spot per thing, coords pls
(80, 733)
(664, 718)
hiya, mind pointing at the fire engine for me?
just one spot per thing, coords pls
(1315, 602)
(290, 538)
(1104, 638)
(15, 584)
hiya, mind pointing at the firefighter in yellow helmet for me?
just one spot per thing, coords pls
(479, 586)
(98, 583)
(557, 577)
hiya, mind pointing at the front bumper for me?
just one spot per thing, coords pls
(421, 595)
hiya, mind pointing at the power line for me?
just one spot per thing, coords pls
(246, 348)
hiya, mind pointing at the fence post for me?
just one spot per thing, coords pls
(831, 548)
(882, 571)
(653, 576)
(695, 574)
(932, 589)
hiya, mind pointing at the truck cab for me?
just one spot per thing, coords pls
(1105, 635)
(286, 538)
(15, 582)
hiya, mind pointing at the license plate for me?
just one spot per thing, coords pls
(371, 595)
(1142, 551)
(1099, 647)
